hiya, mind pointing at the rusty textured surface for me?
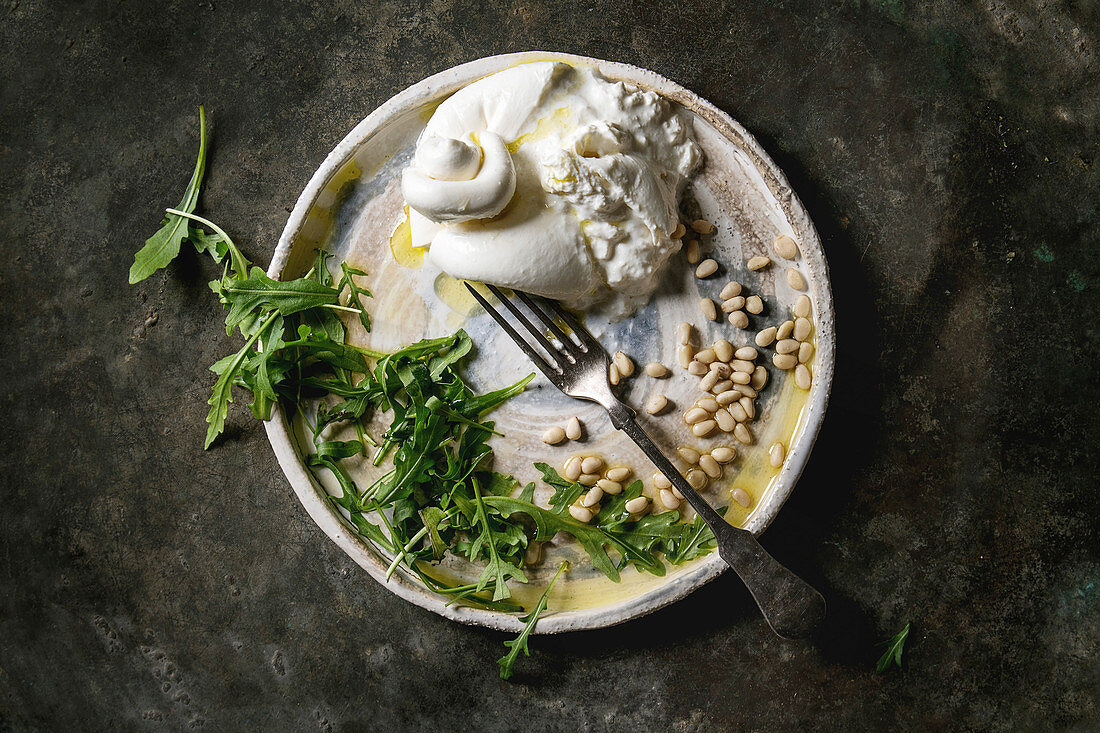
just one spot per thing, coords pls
(948, 155)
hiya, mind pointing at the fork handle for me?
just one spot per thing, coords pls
(790, 605)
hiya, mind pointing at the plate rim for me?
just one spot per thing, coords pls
(313, 497)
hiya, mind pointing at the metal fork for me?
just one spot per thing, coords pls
(789, 604)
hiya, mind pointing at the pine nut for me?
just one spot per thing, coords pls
(705, 356)
(724, 386)
(738, 412)
(637, 505)
(703, 429)
(731, 289)
(683, 355)
(721, 368)
(786, 346)
(553, 435)
(745, 390)
(696, 415)
(746, 353)
(661, 481)
(572, 469)
(697, 368)
(802, 376)
(702, 226)
(802, 328)
(692, 252)
(765, 337)
(786, 247)
(759, 262)
(588, 479)
(710, 466)
(708, 381)
(669, 500)
(708, 404)
(683, 333)
(706, 305)
(676, 492)
(613, 375)
(624, 363)
(591, 464)
(723, 350)
(805, 352)
(656, 370)
(725, 420)
(696, 479)
(690, 455)
(740, 365)
(738, 319)
(619, 474)
(740, 378)
(609, 486)
(786, 328)
(759, 378)
(741, 432)
(727, 397)
(795, 279)
(679, 231)
(723, 454)
(592, 498)
(706, 268)
(741, 497)
(581, 514)
(656, 404)
(573, 428)
(748, 406)
(754, 305)
(803, 307)
(533, 554)
(776, 454)
(784, 361)
(735, 303)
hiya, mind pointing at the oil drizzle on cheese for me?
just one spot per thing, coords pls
(401, 247)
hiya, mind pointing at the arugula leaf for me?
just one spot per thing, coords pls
(519, 644)
(258, 291)
(694, 539)
(222, 393)
(355, 293)
(164, 245)
(593, 539)
(892, 655)
(565, 491)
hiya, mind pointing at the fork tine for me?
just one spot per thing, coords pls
(552, 372)
(554, 352)
(549, 321)
(586, 338)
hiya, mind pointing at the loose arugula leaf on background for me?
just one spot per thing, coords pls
(519, 644)
(894, 647)
(164, 245)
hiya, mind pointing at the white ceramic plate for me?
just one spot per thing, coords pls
(353, 203)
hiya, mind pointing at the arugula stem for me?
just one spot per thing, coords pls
(236, 257)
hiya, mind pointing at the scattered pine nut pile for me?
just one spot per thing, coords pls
(730, 378)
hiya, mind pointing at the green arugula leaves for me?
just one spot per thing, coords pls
(894, 646)
(162, 247)
(438, 492)
(519, 644)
